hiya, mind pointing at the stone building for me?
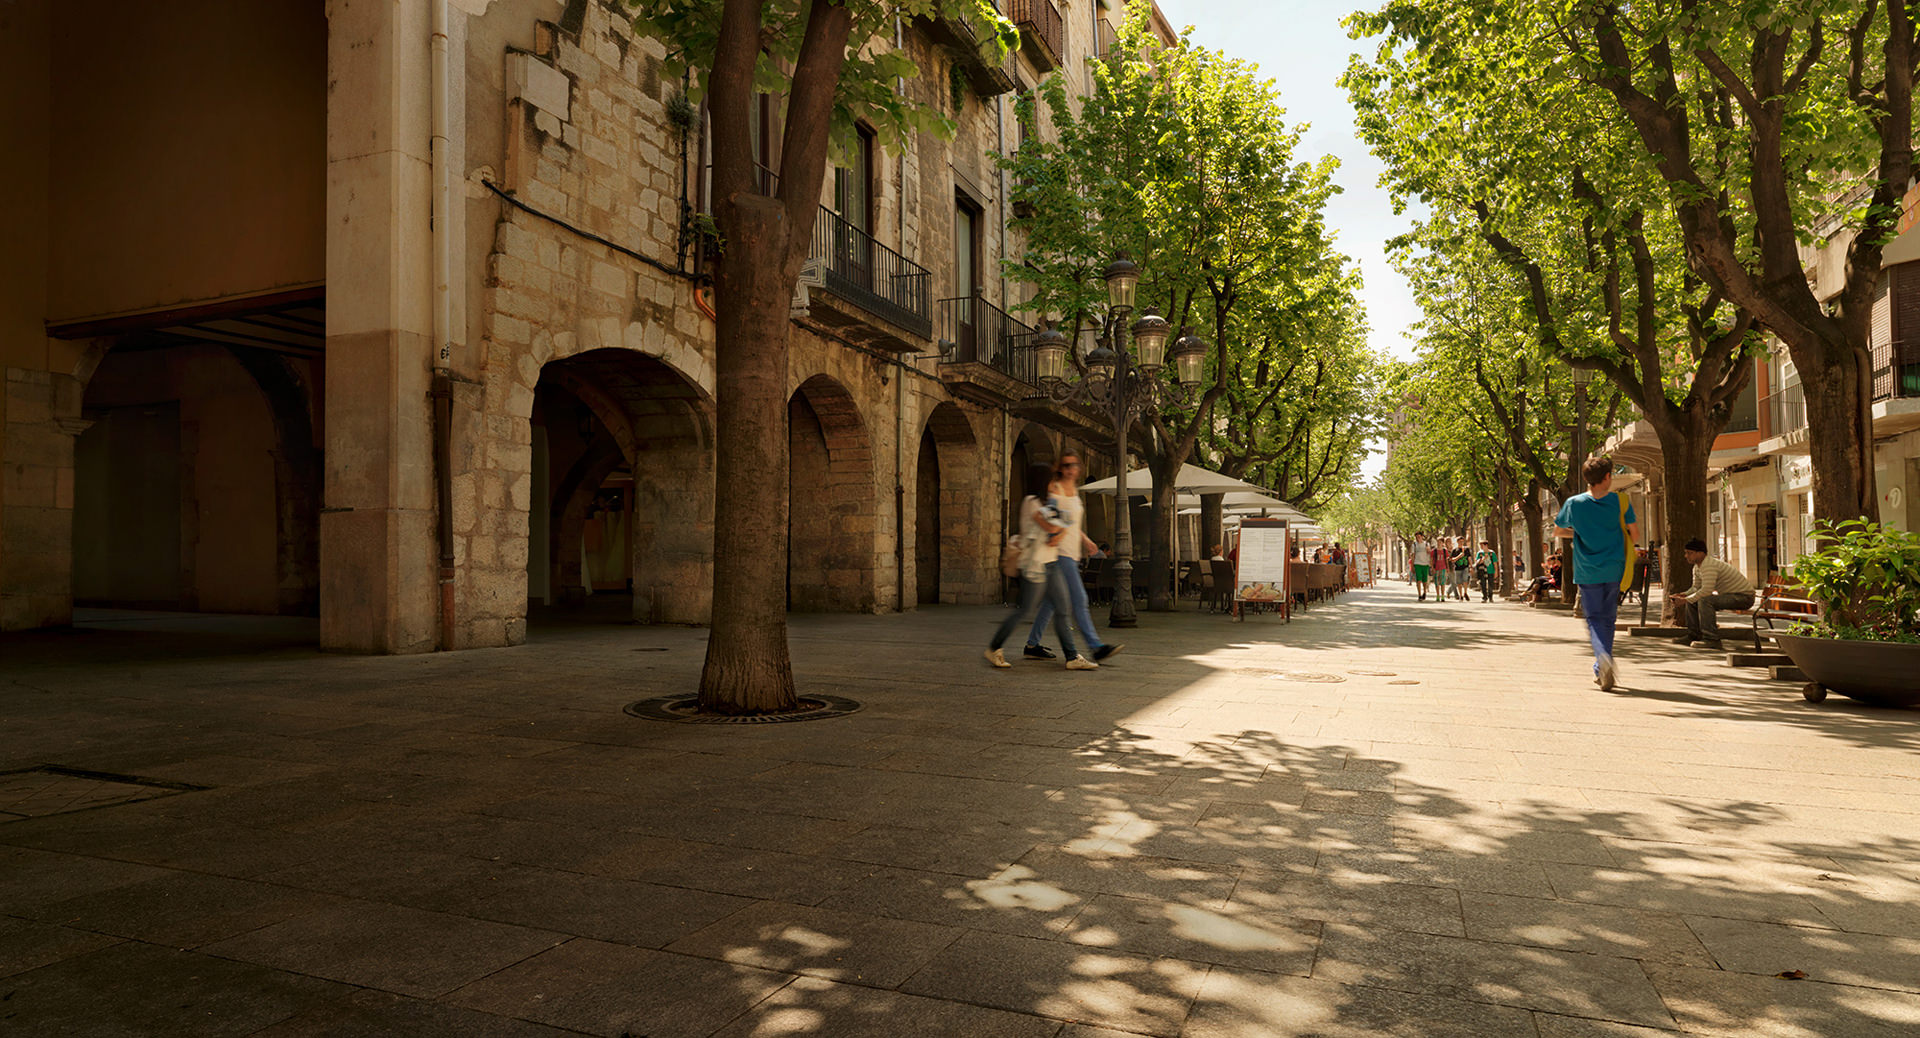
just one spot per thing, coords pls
(391, 311)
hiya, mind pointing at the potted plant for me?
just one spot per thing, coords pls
(1866, 643)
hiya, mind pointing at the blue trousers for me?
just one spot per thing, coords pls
(1069, 570)
(1043, 593)
(1601, 603)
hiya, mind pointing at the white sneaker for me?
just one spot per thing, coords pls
(1606, 673)
(1082, 663)
(997, 658)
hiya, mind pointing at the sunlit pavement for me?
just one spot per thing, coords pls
(1387, 817)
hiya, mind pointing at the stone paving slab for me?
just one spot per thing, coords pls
(1201, 838)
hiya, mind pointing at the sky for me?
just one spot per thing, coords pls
(1301, 45)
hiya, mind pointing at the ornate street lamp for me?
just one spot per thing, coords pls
(1127, 383)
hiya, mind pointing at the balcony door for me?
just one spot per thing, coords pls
(853, 203)
(966, 279)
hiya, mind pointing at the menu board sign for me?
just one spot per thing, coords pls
(1262, 575)
(1363, 565)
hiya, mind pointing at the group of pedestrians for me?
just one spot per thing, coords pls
(1452, 567)
(1046, 556)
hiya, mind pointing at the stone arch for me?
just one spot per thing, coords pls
(1033, 444)
(198, 458)
(947, 532)
(623, 429)
(831, 514)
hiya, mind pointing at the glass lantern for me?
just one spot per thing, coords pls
(1150, 341)
(1050, 355)
(1121, 276)
(1101, 363)
(1189, 357)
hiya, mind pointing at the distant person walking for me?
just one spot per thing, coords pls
(1600, 524)
(1716, 586)
(1040, 534)
(1486, 564)
(1064, 492)
(1462, 561)
(1422, 563)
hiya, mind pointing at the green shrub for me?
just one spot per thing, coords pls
(1866, 577)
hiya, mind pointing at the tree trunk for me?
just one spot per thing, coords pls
(748, 669)
(1840, 432)
(1536, 534)
(1683, 464)
(1212, 522)
(1160, 543)
(1500, 532)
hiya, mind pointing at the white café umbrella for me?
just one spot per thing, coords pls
(1192, 480)
(1245, 501)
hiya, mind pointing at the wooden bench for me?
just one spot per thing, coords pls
(1781, 599)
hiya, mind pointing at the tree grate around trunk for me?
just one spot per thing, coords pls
(686, 710)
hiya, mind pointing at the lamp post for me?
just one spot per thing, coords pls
(1127, 383)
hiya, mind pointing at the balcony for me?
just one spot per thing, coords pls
(1785, 430)
(1042, 32)
(873, 294)
(988, 353)
(988, 78)
(1896, 388)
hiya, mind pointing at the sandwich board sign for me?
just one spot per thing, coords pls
(1262, 574)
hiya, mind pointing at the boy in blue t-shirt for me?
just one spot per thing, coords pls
(1593, 521)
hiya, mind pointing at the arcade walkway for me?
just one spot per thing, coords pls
(1387, 817)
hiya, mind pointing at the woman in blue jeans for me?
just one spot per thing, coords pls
(1040, 533)
(1065, 494)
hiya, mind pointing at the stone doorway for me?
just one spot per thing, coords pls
(951, 553)
(196, 481)
(620, 522)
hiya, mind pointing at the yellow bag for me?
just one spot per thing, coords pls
(1626, 534)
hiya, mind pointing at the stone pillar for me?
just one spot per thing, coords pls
(39, 409)
(378, 554)
(38, 421)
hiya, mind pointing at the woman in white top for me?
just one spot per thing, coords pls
(1065, 489)
(1040, 534)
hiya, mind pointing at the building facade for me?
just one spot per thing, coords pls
(392, 312)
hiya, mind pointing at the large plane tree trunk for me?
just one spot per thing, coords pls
(748, 669)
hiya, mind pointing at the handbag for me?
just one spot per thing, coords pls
(1010, 557)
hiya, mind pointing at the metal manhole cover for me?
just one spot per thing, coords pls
(52, 789)
(1403, 681)
(1299, 675)
(684, 709)
(1373, 673)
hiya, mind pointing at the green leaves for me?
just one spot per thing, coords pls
(868, 88)
(1867, 578)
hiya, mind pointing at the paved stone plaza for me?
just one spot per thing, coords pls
(1387, 817)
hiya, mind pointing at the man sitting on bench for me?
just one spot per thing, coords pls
(1716, 585)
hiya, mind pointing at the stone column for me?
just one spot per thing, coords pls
(378, 554)
(39, 418)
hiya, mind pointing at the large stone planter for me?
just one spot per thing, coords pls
(1885, 673)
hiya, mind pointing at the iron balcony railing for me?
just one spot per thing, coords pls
(1742, 422)
(1041, 26)
(1896, 370)
(871, 276)
(1786, 411)
(985, 334)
